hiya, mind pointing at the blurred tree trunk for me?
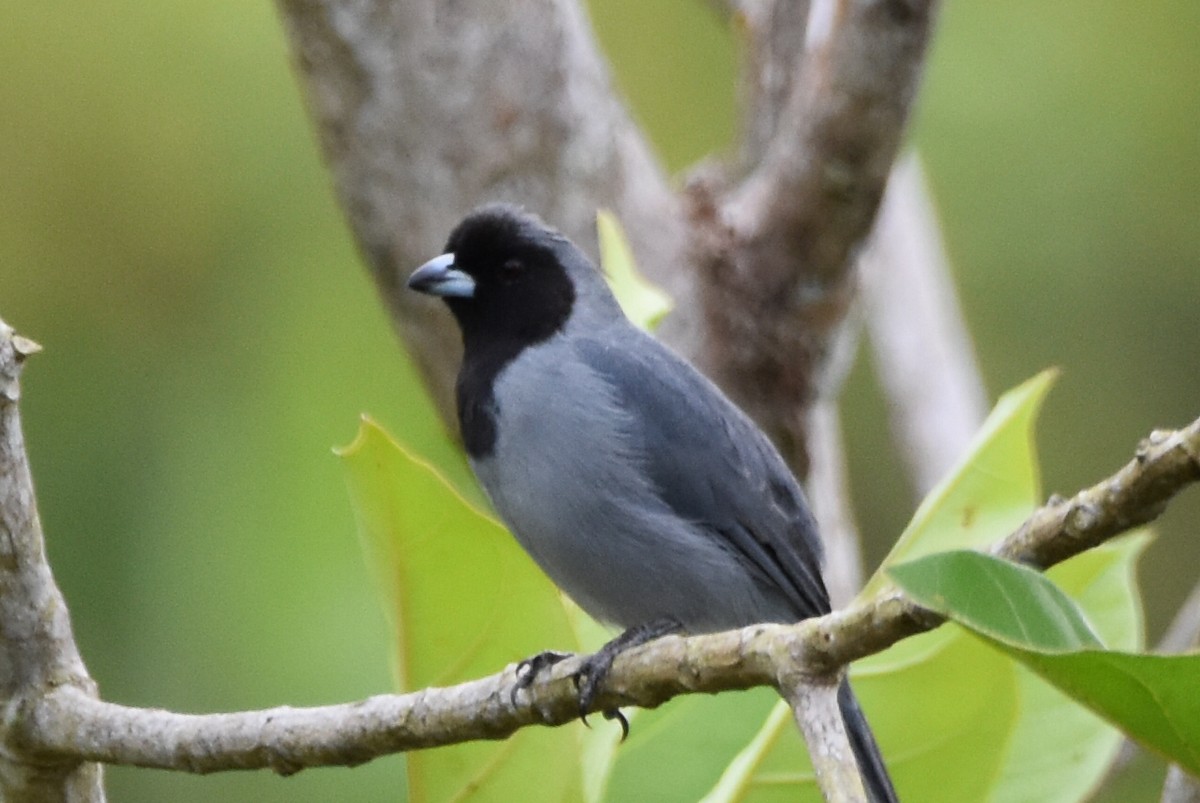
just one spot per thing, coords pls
(425, 109)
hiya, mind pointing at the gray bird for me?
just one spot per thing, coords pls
(631, 480)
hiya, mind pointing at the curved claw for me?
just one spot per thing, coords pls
(591, 674)
(528, 670)
(615, 713)
(590, 678)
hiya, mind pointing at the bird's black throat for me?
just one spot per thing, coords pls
(496, 330)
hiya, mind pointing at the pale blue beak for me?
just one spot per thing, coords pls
(439, 277)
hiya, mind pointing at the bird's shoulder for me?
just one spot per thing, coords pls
(676, 407)
(710, 463)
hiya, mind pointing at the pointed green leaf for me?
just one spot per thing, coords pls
(1151, 697)
(464, 602)
(989, 493)
(696, 736)
(1006, 602)
(644, 303)
(1103, 582)
(956, 720)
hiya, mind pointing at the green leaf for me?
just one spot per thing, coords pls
(957, 720)
(696, 736)
(644, 303)
(1001, 600)
(989, 493)
(1103, 582)
(1151, 697)
(464, 601)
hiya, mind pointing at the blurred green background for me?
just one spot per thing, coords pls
(167, 232)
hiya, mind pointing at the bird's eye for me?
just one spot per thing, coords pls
(512, 268)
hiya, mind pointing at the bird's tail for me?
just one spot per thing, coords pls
(874, 773)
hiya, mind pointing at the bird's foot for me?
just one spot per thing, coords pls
(530, 668)
(589, 678)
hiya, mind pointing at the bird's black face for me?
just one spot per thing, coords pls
(502, 278)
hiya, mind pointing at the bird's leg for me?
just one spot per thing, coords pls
(591, 674)
(595, 668)
(530, 668)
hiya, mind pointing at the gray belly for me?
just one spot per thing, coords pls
(566, 479)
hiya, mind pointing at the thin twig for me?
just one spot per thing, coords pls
(1180, 787)
(1165, 462)
(829, 495)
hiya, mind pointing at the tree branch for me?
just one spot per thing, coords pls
(776, 252)
(1165, 462)
(772, 35)
(37, 649)
(819, 718)
(68, 724)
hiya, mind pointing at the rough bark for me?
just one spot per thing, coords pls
(69, 724)
(37, 648)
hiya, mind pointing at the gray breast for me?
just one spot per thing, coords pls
(567, 478)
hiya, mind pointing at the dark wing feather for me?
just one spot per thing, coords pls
(712, 465)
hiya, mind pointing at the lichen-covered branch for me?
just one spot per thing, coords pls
(37, 649)
(67, 723)
(815, 709)
(1138, 493)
